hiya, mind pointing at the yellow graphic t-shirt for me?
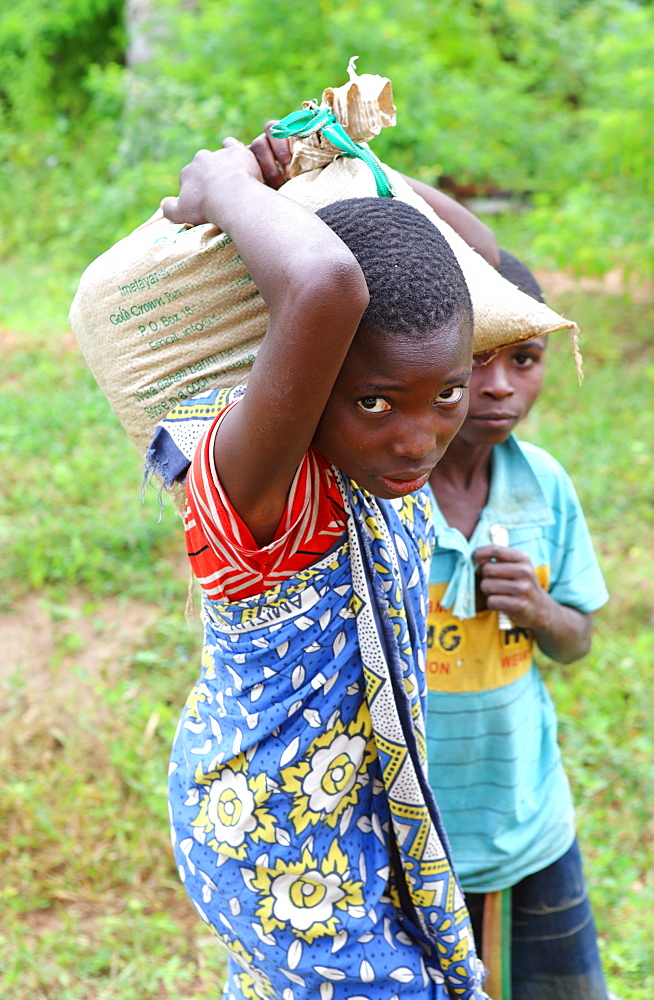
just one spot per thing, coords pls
(474, 654)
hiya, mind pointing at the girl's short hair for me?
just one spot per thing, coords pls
(414, 280)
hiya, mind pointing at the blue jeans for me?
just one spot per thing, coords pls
(554, 954)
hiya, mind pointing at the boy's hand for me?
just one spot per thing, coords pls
(509, 583)
(273, 156)
(206, 172)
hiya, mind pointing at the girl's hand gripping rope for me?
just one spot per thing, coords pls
(273, 156)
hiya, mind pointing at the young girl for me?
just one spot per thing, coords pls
(303, 826)
(513, 567)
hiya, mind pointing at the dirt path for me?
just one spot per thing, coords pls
(556, 283)
(51, 654)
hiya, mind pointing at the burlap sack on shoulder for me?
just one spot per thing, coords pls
(164, 314)
(170, 310)
(502, 313)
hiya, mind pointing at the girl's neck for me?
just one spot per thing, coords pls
(461, 484)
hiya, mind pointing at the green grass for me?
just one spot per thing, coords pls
(91, 905)
(70, 510)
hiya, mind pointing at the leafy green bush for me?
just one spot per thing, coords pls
(553, 104)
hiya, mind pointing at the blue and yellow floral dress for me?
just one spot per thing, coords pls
(303, 825)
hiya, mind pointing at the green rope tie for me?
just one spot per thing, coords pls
(316, 119)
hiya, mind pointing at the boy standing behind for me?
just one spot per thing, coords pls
(513, 566)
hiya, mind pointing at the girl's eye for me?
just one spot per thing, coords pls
(524, 360)
(453, 395)
(374, 404)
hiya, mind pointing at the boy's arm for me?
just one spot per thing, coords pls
(316, 294)
(476, 233)
(508, 580)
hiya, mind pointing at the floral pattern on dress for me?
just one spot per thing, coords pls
(232, 808)
(327, 781)
(308, 894)
(301, 820)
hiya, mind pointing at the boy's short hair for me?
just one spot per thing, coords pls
(414, 280)
(519, 275)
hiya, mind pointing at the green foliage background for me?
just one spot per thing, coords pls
(549, 99)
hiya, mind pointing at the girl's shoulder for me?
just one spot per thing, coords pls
(225, 557)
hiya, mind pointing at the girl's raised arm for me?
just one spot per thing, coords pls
(316, 294)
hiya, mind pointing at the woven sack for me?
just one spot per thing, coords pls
(170, 310)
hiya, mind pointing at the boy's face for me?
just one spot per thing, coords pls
(502, 391)
(395, 407)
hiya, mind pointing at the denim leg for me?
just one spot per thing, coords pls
(554, 943)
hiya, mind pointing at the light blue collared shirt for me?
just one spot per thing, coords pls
(494, 760)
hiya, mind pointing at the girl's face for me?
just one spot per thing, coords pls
(502, 391)
(395, 407)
